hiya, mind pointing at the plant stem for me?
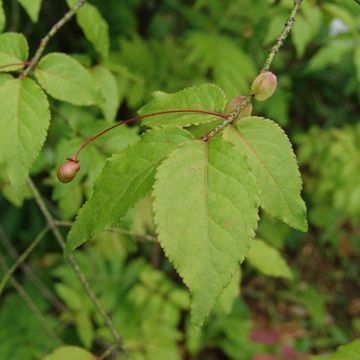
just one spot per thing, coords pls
(45, 40)
(267, 64)
(166, 112)
(22, 258)
(32, 306)
(58, 305)
(15, 64)
(74, 264)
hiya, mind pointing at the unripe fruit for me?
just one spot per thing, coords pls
(264, 86)
(234, 103)
(68, 170)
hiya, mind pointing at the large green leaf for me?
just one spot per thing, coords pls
(94, 26)
(107, 84)
(206, 97)
(2, 16)
(273, 163)
(24, 121)
(345, 352)
(70, 353)
(32, 7)
(206, 211)
(14, 49)
(66, 79)
(125, 179)
(268, 260)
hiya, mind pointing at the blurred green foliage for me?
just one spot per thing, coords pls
(167, 46)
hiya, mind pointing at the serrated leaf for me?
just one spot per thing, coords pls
(70, 352)
(273, 163)
(107, 84)
(66, 79)
(345, 352)
(94, 26)
(14, 49)
(206, 211)
(205, 97)
(32, 7)
(24, 122)
(126, 178)
(230, 293)
(268, 260)
(2, 16)
(4, 78)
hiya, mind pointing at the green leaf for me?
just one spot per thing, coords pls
(85, 328)
(126, 178)
(2, 16)
(70, 352)
(32, 7)
(206, 211)
(268, 260)
(345, 352)
(273, 163)
(357, 61)
(14, 49)
(230, 293)
(107, 84)
(94, 26)
(301, 35)
(66, 79)
(24, 122)
(206, 97)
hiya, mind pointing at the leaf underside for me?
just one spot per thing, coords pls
(206, 211)
(273, 162)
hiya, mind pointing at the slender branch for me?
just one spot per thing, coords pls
(74, 264)
(267, 64)
(22, 258)
(122, 231)
(44, 41)
(166, 112)
(357, 1)
(30, 274)
(32, 306)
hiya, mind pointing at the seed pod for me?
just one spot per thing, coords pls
(68, 170)
(264, 86)
(234, 103)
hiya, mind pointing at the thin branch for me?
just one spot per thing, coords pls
(58, 305)
(267, 64)
(22, 258)
(74, 264)
(44, 41)
(118, 230)
(32, 306)
(357, 1)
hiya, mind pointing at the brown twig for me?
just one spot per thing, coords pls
(45, 40)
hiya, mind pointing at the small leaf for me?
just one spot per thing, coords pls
(206, 211)
(206, 97)
(268, 260)
(84, 328)
(346, 352)
(126, 178)
(70, 352)
(273, 163)
(32, 7)
(66, 79)
(14, 49)
(2, 16)
(301, 35)
(24, 122)
(107, 84)
(94, 26)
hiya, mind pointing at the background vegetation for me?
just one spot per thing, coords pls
(302, 296)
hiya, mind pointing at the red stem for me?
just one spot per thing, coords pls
(75, 156)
